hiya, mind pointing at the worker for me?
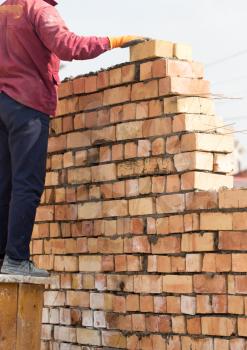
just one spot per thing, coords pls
(33, 39)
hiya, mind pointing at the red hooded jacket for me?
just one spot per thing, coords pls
(33, 39)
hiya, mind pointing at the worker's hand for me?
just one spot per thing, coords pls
(126, 41)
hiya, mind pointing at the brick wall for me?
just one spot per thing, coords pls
(138, 222)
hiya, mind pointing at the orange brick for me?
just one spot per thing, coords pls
(184, 69)
(233, 240)
(144, 148)
(198, 242)
(79, 139)
(173, 145)
(239, 262)
(147, 284)
(178, 324)
(116, 95)
(65, 89)
(142, 110)
(183, 86)
(158, 184)
(242, 326)
(115, 76)
(155, 108)
(104, 172)
(128, 73)
(193, 262)
(219, 326)
(146, 303)
(90, 84)
(221, 344)
(91, 101)
(156, 127)
(235, 304)
(219, 304)
(129, 130)
(175, 283)
(194, 325)
(79, 85)
(141, 206)
(143, 91)
(146, 71)
(103, 80)
(170, 203)
(201, 200)
(166, 245)
(217, 263)
(216, 221)
(209, 284)
(239, 221)
(132, 302)
(158, 146)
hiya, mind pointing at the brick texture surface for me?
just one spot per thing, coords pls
(138, 223)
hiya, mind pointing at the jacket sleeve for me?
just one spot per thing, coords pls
(55, 35)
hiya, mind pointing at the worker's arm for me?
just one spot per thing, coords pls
(55, 35)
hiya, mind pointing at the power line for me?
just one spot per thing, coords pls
(227, 58)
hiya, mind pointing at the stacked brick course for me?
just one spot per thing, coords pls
(147, 251)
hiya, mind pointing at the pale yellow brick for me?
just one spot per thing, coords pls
(193, 161)
(205, 181)
(90, 210)
(151, 49)
(141, 206)
(197, 105)
(216, 221)
(88, 336)
(131, 130)
(90, 263)
(182, 51)
(207, 142)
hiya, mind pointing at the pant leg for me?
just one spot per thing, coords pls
(5, 187)
(28, 140)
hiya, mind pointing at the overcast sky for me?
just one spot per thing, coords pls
(216, 29)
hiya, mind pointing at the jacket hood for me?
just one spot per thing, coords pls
(51, 2)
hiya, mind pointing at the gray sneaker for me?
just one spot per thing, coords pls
(1, 263)
(22, 267)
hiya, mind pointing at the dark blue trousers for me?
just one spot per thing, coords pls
(23, 152)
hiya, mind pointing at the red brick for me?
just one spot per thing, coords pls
(90, 84)
(170, 203)
(128, 73)
(115, 76)
(65, 89)
(209, 284)
(232, 240)
(79, 85)
(116, 95)
(103, 80)
(166, 245)
(143, 91)
(156, 127)
(194, 325)
(91, 101)
(219, 304)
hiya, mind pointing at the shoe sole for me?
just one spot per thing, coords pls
(9, 272)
